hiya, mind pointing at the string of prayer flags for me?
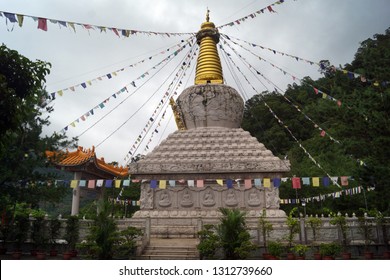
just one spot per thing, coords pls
(253, 15)
(42, 24)
(283, 95)
(170, 92)
(101, 105)
(338, 194)
(297, 58)
(92, 81)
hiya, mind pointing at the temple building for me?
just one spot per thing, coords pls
(85, 165)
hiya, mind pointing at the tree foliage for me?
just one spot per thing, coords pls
(360, 124)
(24, 111)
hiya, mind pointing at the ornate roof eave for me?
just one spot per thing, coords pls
(80, 159)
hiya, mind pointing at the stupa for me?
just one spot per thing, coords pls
(209, 162)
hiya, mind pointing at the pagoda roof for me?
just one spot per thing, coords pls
(85, 160)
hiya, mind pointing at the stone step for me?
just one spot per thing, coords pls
(171, 249)
(167, 257)
(169, 252)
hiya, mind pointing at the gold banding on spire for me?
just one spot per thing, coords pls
(208, 66)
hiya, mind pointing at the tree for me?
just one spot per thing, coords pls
(234, 237)
(24, 111)
(359, 124)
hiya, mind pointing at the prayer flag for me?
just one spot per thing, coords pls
(257, 182)
(82, 183)
(172, 183)
(334, 180)
(10, 17)
(73, 184)
(108, 184)
(270, 9)
(229, 183)
(118, 184)
(126, 183)
(220, 182)
(91, 184)
(248, 183)
(153, 184)
(162, 184)
(296, 182)
(267, 182)
(42, 24)
(20, 20)
(191, 183)
(325, 181)
(200, 183)
(344, 180)
(99, 183)
(316, 181)
(277, 182)
(306, 181)
(71, 24)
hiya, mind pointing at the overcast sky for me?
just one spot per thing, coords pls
(310, 29)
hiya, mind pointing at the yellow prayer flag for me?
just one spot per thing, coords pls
(20, 20)
(316, 181)
(73, 183)
(220, 182)
(162, 184)
(267, 182)
(118, 184)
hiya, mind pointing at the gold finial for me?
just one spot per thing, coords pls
(208, 67)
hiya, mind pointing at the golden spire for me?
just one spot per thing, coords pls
(208, 67)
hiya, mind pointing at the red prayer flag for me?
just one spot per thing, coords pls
(42, 24)
(270, 9)
(323, 133)
(344, 180)
(115, 31)
(296, 182)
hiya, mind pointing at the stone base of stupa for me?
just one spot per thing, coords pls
(181, 211)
